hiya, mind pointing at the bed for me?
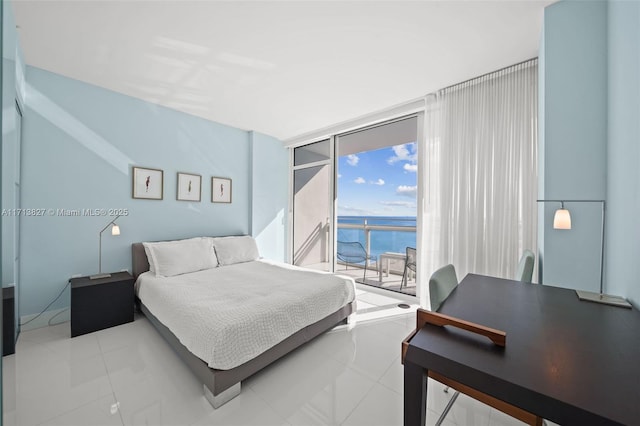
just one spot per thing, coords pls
(228, 314)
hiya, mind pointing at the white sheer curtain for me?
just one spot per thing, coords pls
(480, 175)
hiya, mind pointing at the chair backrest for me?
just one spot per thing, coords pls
(441, 284)
(351, 252)
(525, 267)
(410, 260)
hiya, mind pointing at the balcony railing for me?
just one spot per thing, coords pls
(369, 225)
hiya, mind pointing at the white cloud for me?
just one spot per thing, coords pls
(407, 204)
(379, 182)
(352, 160)
(411, 167)
(404, 152)
(400, 153)
(339, 175)
(360, 180)
(407, 191)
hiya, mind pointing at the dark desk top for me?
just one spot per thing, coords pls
(567, 360)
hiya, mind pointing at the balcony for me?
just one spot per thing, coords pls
(386, 239)
(390, 282)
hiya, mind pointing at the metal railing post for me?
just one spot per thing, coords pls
(367, 240)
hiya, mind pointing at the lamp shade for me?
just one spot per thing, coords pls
(115, 230)
(562, 219)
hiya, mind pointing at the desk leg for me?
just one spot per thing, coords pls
(415, 395)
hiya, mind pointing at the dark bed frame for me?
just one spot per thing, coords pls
(220, 386)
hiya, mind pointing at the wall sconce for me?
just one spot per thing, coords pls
(115, 230)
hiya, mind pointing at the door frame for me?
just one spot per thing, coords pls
(417, 109)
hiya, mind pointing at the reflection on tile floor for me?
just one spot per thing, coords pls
(128, 375)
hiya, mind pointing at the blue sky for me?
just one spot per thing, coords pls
(378, 183)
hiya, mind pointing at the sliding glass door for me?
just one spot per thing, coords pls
(377, 193)
(374, 170)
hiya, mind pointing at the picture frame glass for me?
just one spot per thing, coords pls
(189, 187)
(147, 183)
(220, 190)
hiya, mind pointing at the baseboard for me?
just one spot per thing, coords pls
(58, 316)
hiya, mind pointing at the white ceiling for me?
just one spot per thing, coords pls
(283, 68)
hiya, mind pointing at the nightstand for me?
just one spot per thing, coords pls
(101, 303)
(8, 321)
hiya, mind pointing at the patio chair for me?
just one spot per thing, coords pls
(409, 265)
(353, 252)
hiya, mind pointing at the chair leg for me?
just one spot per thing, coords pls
(404, 277)
(447, 408)
(364, 277)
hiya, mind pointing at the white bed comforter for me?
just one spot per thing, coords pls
(228, 315)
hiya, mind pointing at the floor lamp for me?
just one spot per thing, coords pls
(562, 220)
(115, 230)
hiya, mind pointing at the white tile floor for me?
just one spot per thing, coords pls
(128, 375)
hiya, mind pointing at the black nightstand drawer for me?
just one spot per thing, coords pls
(101, 303)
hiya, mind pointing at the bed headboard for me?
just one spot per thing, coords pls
(139, 259)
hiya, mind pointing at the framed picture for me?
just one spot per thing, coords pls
(188, 187)
(220, 190)
(147, 183)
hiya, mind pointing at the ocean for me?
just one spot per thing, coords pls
(381, 240)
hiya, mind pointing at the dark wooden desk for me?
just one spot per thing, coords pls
(572, 362)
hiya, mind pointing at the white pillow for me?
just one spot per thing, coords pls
(169, 258)
(230, 250)
(147, 251)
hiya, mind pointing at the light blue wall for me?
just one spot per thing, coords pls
(270, 195)
(573, 138)
(623, 185)
(79, 144)
(591, 72)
